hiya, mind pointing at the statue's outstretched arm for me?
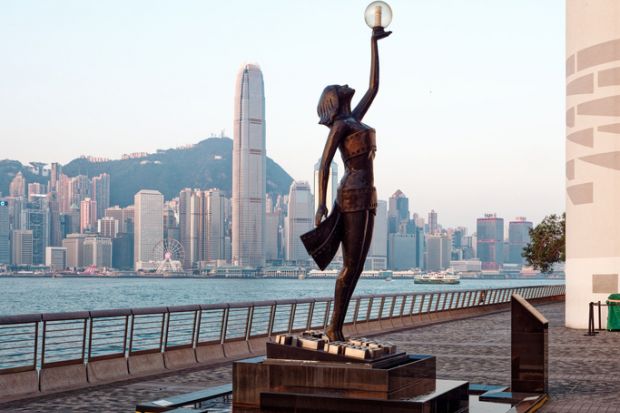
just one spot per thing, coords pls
(333, 140)
(364, 104)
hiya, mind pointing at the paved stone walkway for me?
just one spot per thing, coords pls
(584, 371)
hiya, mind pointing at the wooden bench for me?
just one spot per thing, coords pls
(175, 403)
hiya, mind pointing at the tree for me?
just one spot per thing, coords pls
(548, 243)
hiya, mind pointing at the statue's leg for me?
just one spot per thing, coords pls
(357, 234)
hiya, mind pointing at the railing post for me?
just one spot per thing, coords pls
(369, 310)
(328, 307)
(357, 310)
(291, 317)
(165, 332)
(197, 323)
(392, 306)
(224, 325)
(248, 322)
(310, 316)
(272, 314)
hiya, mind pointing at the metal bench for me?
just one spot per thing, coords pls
(175, 403)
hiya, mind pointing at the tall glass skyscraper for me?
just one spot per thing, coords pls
(490, 231)
(249, 169)
(149, 224)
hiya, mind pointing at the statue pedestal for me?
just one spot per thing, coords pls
(303, 380)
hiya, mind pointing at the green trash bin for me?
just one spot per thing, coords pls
(613, 313)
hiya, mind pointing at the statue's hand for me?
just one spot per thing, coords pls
(379, 33)
(320, 213)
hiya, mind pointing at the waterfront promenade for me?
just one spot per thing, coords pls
(583, 370)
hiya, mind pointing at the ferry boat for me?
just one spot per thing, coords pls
(443, 277)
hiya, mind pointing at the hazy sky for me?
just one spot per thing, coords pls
(469, 116)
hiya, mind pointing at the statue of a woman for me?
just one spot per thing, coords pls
(350, 223)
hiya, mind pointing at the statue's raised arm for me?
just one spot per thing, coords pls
(373, 87)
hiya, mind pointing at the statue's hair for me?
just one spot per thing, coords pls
(327, 108)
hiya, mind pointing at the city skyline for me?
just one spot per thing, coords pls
(482, 150)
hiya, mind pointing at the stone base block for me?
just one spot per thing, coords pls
(71, 376)
(102, 371)
(412, 376)
(210, 353)
(13, 385)
(236, 349)
(145, 364)
(179, 359)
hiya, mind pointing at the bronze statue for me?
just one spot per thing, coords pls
(351, 220)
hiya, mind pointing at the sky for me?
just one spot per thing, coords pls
(469, 115)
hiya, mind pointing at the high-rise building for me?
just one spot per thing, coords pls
(101, 192)
(79, 189)
(332, 185)
(122, 251)
(5, 229)
(56, 230)
(108, 227)
(88, 215)
(21, 247)
(518, 238)
(116, 212)
(272, 236)
(129, 219)
(17, 187)
(55, 172)
(185, 226)
(299, 220)
(149, 225)
(63, 189)
(98, 251)
(56, 258)
(438, 252)
(433, 226)
(249, 169)
(490, 231)
(378, 252)
(36, 219)
(74, 243)
(398, 211)
(215, 228)
(402, 251)
(34, 189)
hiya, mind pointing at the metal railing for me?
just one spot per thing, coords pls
(28, 342)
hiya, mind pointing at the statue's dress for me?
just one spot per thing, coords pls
(355, 193)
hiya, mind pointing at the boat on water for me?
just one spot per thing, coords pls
(443, 277)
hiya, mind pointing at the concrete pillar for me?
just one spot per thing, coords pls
(592, 155)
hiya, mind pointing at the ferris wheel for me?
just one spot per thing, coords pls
(169, 253)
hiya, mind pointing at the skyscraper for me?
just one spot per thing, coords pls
(5, 228)
(332, 185)
(100, 192)
(185, 234)
(490, 231)
(215, 229)
(21, 247)
(88, 215)
(149, 224)
(79, 189)
(299, 219)
(377, 254)
(249, 167)
(433, 226)
(518, 238)
(17, 187)
(55, 171)
(398, 211)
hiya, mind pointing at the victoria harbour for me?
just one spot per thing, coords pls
(48, 295)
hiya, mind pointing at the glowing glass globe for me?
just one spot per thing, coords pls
(378, 14)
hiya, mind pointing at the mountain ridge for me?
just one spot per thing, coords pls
(205, 165)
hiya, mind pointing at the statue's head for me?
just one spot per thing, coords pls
(333, 100)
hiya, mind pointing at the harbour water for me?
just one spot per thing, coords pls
(45, 295)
